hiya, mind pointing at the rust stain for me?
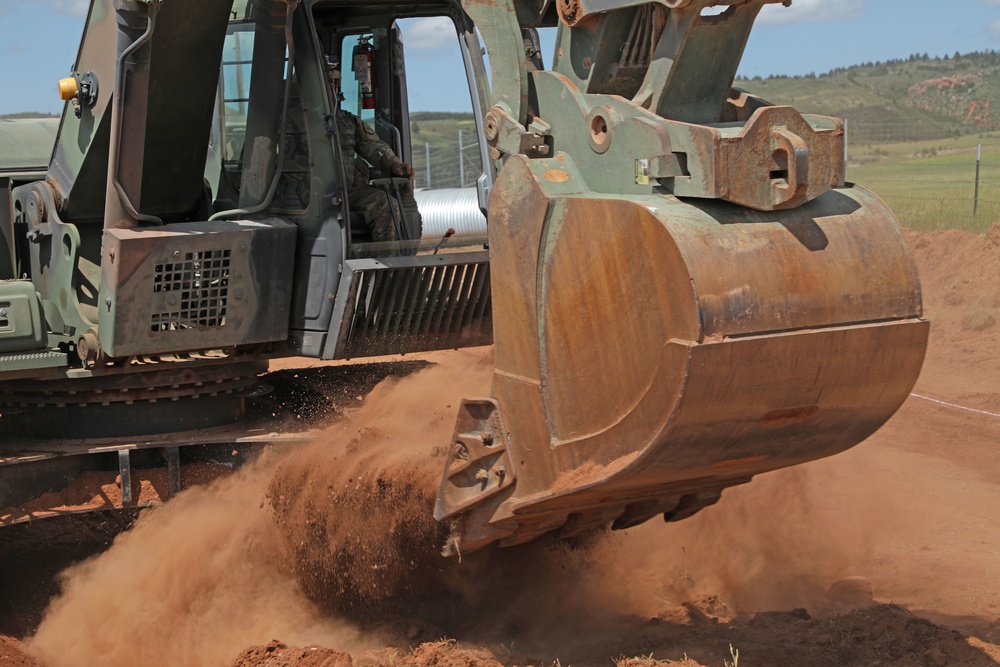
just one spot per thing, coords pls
(733, 463)
(570, 11)
(788, 415)
(556, 176)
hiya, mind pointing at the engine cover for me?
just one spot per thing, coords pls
(195, 286)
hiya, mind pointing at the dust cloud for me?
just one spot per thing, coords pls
(776, 543)
(212, 572)
(356, 509)
(193, 583)
(334, 544)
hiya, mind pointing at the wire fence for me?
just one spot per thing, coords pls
(450, 162)
(931, 178)
(889, 133)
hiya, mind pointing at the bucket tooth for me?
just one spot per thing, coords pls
(582, 522)
(641, 512)
(693, 503)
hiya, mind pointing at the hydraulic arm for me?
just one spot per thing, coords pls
(686, 292)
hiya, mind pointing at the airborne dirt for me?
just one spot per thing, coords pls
(328, 555)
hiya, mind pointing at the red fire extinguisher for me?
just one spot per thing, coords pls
(364, 55)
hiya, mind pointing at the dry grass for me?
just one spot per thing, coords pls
(978, 319)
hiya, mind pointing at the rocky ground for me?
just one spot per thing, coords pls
(887, 554)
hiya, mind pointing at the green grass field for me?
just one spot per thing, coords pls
(931, 184)
(435, 135)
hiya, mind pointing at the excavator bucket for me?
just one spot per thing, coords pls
(675, 349)
(686, 292)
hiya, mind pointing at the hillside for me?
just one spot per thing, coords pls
(955, 95)
(29, 114)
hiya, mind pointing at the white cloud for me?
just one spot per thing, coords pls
(814, 11)
(994, 26)
(430, 33)
(76, 8)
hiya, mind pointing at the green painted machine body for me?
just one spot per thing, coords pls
(682, 290)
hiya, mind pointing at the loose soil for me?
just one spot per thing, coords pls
(96, 490)
(887, 554)
(12, 654)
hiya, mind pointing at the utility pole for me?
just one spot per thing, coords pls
(975, 197)
(427, 158)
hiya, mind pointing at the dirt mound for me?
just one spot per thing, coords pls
(877, 635)
(12, 654)
(880, 634)
(445, 653)
(276, 654)
(372, 545)
(212, 571)
(960, 278)
(356, 508)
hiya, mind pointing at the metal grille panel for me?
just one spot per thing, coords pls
(202, 279)
(399, 309)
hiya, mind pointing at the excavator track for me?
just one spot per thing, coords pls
(283, 408)
(172, 396)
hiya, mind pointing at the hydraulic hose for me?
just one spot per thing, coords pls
(114, 156)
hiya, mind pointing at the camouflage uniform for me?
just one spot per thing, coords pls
(360, 147)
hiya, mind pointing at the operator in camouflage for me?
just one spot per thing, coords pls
(361, 147)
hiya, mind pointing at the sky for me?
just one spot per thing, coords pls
(39, 41)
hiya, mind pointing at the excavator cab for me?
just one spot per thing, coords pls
(365, 48)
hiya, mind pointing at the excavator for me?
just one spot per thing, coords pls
(681, 288)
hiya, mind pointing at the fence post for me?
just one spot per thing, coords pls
(427, 162)
(975, 197)
(461, 160)
(846, 160)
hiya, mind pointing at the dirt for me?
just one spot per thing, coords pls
(276, 654)
(357, 518)
(12, 654)
(100, 490)
(445, 653)
(887, 554)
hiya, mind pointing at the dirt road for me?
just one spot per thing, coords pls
(912, 513)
